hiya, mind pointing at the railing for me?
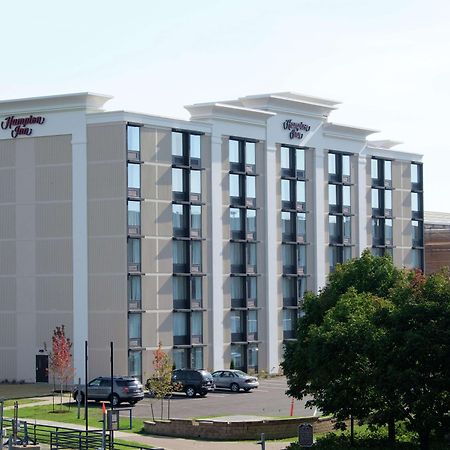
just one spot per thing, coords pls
(64, 438)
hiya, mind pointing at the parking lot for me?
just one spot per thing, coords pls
(268, 400)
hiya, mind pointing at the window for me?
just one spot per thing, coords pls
(251, 221)
(417, 235)
(374, 170)
(301, 227)
(237, 258)
(388, 170)
(195, 146)
(135, 364)
(196, 220)
(196, 256)
(289, 291)
(235, 185)
(196, 292)
(347, 229)
(251, 290)
(375, 199)
(286, 191)
(250, 187)
(134, 292)
(196, 182)
(180, 292)
(180, 327)
(300, 159)
(134, 176)
(388, 199)
(233, 148)
(289, 318)
(250, 156)
(301, 287)
(237, 291)
(252, 323)
(134, 330)
(345, 165)
(377, 232)
(301, 193)
(333, 229)
(179, 251)
(197, 358)
(252, 357)
(236, 223)
(288, 257)
(332, 195)
(178, 220)
(177, 144)
(178, 184)
(237, 353)
(285, 158)
(197, 327)
(237, 323)
(134, 213)
(287, 226)
(251, 254)
(417, 258)
(180, 358)
(301, 258)
(388, 231)
(134, 251)
(332, 166)
(133, 138)
(416, 176)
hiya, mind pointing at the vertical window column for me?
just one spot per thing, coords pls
(294, 239)
(417, 216)
(187, 249)
(340, 208)
(243, 254)
(134, 251)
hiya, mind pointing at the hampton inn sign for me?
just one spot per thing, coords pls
(295, 128)
(20, 126)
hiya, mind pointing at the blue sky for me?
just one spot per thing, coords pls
(387, 61)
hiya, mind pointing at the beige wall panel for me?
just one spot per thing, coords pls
(8, 329)
(53, 150)
(148, 255)
(106, 142)
(99, 361)
(165, 328)
(164, 183)
(405, 175)
(7, 257)
(164, 256)
(149, 142)
(54, 220)
(54, 256)
(46, 322)
(148, 181)
(148, 218)
(107, 326)
(8, 368)
(8, 153)
(108, 292)
(7, 186)
(107, 217)
(54, 183)
(107, 255)
(225, 183)
(227, 293)
(397, 169)
(7, 222)
(164, 148)
(107, 180)
(8, 291)
(54, 293)
(164, 219)
(226, 258)
(165, 292)
(150, 292)
(149, 327)
(225, 223)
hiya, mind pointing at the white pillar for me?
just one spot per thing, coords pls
(80, 254)
(319, 217)
(217, 252)
(272, 312)
(362, 203)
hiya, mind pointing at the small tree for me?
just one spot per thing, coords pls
(160, 382)
(60, 359)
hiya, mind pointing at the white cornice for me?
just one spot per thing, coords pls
(84, 101)
(291, 103)
(146, 119)
(341, 131)
(228, 112)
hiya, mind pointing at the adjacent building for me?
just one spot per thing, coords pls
(437, 241)
(202, 235)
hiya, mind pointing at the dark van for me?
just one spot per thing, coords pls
(193, 381)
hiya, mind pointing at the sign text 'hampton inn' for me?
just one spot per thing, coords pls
(19, 126)
(296, 129)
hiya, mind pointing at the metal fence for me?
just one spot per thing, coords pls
(65, 438)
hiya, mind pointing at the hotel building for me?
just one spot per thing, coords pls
(202, 235)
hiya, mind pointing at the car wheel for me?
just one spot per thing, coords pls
(132, 402)
(234, 387)
(190, 391)
(114, 400)
(203, 394)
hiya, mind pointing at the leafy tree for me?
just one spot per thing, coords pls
(420, 352)
(160, 382)
(375, 344)
(60, 359)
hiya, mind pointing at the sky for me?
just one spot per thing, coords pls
(387, 61)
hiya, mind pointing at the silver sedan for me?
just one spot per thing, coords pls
(235, 380)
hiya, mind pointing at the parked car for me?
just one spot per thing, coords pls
(125, 389)
(193, 381)
(234, 380)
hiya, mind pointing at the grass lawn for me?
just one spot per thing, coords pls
(22, 401)
(69, 415)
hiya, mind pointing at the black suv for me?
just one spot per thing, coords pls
(125, 389)
(192, 381)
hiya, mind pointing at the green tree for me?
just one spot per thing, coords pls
(419, 352)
